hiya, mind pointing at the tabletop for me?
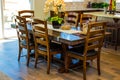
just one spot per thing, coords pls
(69, 37)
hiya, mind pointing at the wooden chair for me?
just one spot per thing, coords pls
(43, 46)
(24, 39)
(28, 14)
(85, 18)
(92, 48)
(71, 18)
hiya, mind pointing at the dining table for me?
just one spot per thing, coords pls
(67, 38)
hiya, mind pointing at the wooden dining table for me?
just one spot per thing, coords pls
(64, 37)
(67, 38)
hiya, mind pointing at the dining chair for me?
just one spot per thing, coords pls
(85, 18)
(24, 39)
(43, 46)
(28, 14)
(91, 49)
(71, 18)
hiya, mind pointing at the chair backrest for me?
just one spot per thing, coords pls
(71, 18)
(21, 29)
(95, 36)
(40, 34)
(28, 14)
(86, 18)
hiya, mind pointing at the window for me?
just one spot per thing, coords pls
(73, 0)
(118, 1)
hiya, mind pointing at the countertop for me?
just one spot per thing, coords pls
(85, 9)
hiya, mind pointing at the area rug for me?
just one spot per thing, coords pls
(4, 76)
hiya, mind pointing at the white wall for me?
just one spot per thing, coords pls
(38, 8)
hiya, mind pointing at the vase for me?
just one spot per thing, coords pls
(56, 25)
(105, 10)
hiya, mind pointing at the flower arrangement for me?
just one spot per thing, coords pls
(56, 6)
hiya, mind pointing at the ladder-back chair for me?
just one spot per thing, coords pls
(85, 18)
(92, 48)
(71, 18)
(42, 43)
(23, 37)
(28, 14)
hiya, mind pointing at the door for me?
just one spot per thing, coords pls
(1, 20)
(9, 9)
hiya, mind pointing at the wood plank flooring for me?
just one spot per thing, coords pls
(110, 66)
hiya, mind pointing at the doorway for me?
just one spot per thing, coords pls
(9, 9)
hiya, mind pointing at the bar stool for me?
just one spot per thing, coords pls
(113, 39)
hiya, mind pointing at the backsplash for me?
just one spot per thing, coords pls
(78, 5)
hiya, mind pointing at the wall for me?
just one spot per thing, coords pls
(38, 8)
(78, 5)
(39, 5)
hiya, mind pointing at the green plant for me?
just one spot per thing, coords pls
(55, 18)
(105, 4)
(100, 5)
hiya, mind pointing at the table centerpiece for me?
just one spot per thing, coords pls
(56, 6)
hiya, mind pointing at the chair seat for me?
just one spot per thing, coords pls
(53, 47)
(79, 51)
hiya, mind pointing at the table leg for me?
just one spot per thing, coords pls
(62, 69)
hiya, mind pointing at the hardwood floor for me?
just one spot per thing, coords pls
(110, 66)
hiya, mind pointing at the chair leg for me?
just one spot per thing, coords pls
(19, 55)
(36, 59)
(52, 60)
(84, 70)
(48, 64)
(28, 57)
(116, 40)
(98, 65)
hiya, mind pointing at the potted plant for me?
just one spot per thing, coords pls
(56, 21)
(105, 6)
(56, 6)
